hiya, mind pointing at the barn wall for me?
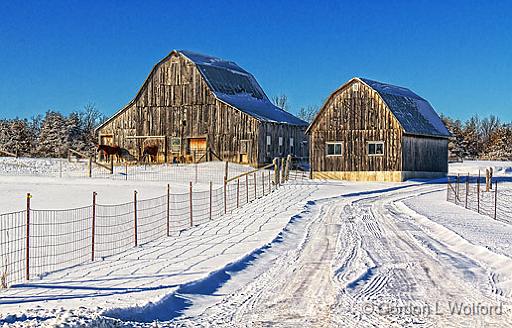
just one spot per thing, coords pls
(425, 154)
(175, 101)
(275, 130)
(354, 116)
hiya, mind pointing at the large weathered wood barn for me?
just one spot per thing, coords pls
(192, 105)
(371, 131)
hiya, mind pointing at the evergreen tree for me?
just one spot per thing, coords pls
(53, 140)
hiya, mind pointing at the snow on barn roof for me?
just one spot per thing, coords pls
(414, 113)
(235, 86)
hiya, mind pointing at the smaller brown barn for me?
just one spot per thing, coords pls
(372, 131)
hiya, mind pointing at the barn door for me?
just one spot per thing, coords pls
(244, 151)
(197, 148)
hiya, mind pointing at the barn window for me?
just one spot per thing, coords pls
(376, 148)
(269, 143)
(280, 145)
(333, 148)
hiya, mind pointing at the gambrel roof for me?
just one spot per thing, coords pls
(415, 115)
(233, 85)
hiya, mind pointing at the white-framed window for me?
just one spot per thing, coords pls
(269, 144)
(375, 148)
(291, 146)
(333, 148)
(280, 145)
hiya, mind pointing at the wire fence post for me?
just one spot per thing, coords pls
(190, 203)
(93, 225)
(135, 218)
(255, 191)
(211, 187)
(111, 164)
(237, 192)
(168, 210)
(60, 168)
(448, 189)
(269, 182)
(246, 188)
(276, 172)
(282, 168)
(467, 190)
(90, 167)
(457, 188)
(126, 170)
(496, 200)
(263, 183)
(225, 195)
(27, 245)
(478, 193)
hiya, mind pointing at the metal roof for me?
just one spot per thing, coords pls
(415, 114)
(236, 87)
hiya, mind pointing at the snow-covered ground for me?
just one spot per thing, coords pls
(313, 253)
(500, 168)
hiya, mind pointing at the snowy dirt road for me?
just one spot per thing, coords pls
(369, 261)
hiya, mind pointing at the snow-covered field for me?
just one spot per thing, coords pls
(313, 253)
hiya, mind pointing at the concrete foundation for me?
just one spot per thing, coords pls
(382, 176)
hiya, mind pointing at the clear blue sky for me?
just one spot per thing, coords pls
(64, 54)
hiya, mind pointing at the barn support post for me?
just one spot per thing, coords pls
(237, 192)
(210, 194)
(496, 200)
(27, 240)
(90, 167)
(93, 225)
(478, 193)
(255, 184)
(190, 204)
(135, 218)
(168, 210)
(467, 191)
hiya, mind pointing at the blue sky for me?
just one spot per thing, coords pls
(64, 54)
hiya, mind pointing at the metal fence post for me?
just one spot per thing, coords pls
(457, 188)
(288, 164)
(168, 210)
(282, 169)
(90, 166)
(111, 164)
(269, 182)
(276, 172)
(135, 218)
(496, 200)
(27, 245)
(448, 189)
(126, 170)
(93, 226)
(190, 203)
(211, 187)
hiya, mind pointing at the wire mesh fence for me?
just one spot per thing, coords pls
(36, 242)
(472, 192)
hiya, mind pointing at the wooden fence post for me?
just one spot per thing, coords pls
(225, 195)
(190, 202)
(93, 226)
(255, 190)
(135, 218)
(467, 191)
(269, 182)
(496, 200)
(487, 176)
(276, 172)
(282, 178)
(126, 170)
(211, 187)
(478, 193)
(90, 166)
(27, 244)
(226, 171)
(288, 164)
(168, 210)
(262, 183)
(237, 192)
(111, 164)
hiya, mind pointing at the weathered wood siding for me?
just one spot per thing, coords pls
(287, 133)
(354, 116)
(175, 101)
(425, 154)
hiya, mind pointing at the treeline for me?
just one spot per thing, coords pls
(476, 138)
(51, 135)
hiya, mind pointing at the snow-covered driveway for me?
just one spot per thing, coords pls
(370, 261)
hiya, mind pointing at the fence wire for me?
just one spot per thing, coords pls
(36, 242)
(471, 192)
